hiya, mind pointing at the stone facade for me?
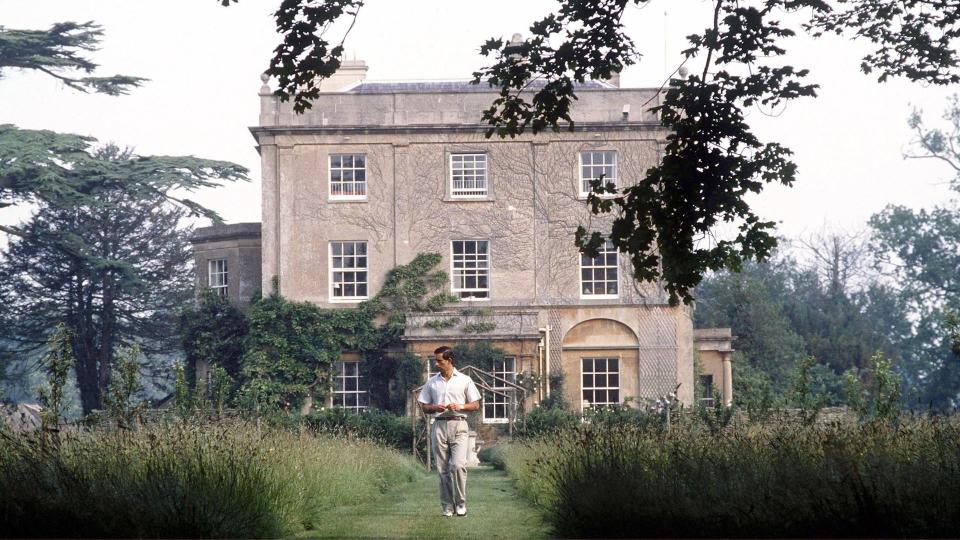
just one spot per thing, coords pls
(715, 352)
(238, 247)
(626, 343)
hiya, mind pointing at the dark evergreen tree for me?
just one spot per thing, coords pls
(114, 269)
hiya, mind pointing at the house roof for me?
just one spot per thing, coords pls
(453, 86)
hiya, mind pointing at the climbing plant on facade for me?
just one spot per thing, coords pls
(291, 346)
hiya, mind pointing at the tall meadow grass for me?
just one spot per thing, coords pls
(177, 479)
(778, 480)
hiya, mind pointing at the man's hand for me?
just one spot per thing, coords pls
(455, 407)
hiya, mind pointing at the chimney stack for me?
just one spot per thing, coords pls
(350, 73)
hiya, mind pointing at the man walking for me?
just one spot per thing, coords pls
(450, 394)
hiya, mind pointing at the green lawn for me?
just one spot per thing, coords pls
(413, 511)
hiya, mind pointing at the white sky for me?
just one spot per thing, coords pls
(204, 62)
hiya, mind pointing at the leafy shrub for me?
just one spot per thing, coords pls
(542, 421)
(378, 426)
(493, 455)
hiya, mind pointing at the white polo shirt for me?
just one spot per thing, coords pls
(459, 389)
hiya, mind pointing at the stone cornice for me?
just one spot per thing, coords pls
(409, 129)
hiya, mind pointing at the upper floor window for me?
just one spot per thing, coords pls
(593, 165)
(217, 276)
(599, 275)
(349, 390)
(496, 407)
(470, 263)
(348, 270)
(348, 176)
(600, 381)
(468, 175)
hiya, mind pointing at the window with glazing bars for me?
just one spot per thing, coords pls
(595, 164)
(348, 176)
(600, 382)
(349, 391)
(348, 270)
(217, 276)
(599, 275)
(468, 175)
(470, 263)
(496, 407)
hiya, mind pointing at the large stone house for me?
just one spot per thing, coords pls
(376, 172)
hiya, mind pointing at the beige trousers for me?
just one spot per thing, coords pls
(450, 440)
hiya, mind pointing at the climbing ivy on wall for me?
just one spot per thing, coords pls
(291, 346)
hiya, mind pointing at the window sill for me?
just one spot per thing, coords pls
(496, 421)
(347, 199)
(473, 299)
(485, 198)
(349, 300)
(600, 297)
(583, 196)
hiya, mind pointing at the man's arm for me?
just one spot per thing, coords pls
(431, 408)
(456, 407)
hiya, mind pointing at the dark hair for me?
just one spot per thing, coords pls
(447, 352)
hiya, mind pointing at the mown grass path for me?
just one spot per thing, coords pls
(495, 510)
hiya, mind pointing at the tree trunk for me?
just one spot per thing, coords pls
(107, 321)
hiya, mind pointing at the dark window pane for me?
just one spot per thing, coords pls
(350, 383)
(614, 396)
(587, 381)
(349, 290)
(360, 161)
(613, 380)
(337, 248)
(335, 175)
(458, 248)
(335, 161)
(614, 364)
(600, 364)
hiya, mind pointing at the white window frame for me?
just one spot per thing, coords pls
(481, 268)
(506, 369)
(606, 249)
(343, 269)
(476, 174)
(353, 170)
(607, 387)
(706, 400)
(596, 168)
(341, 377)
(218, 278)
